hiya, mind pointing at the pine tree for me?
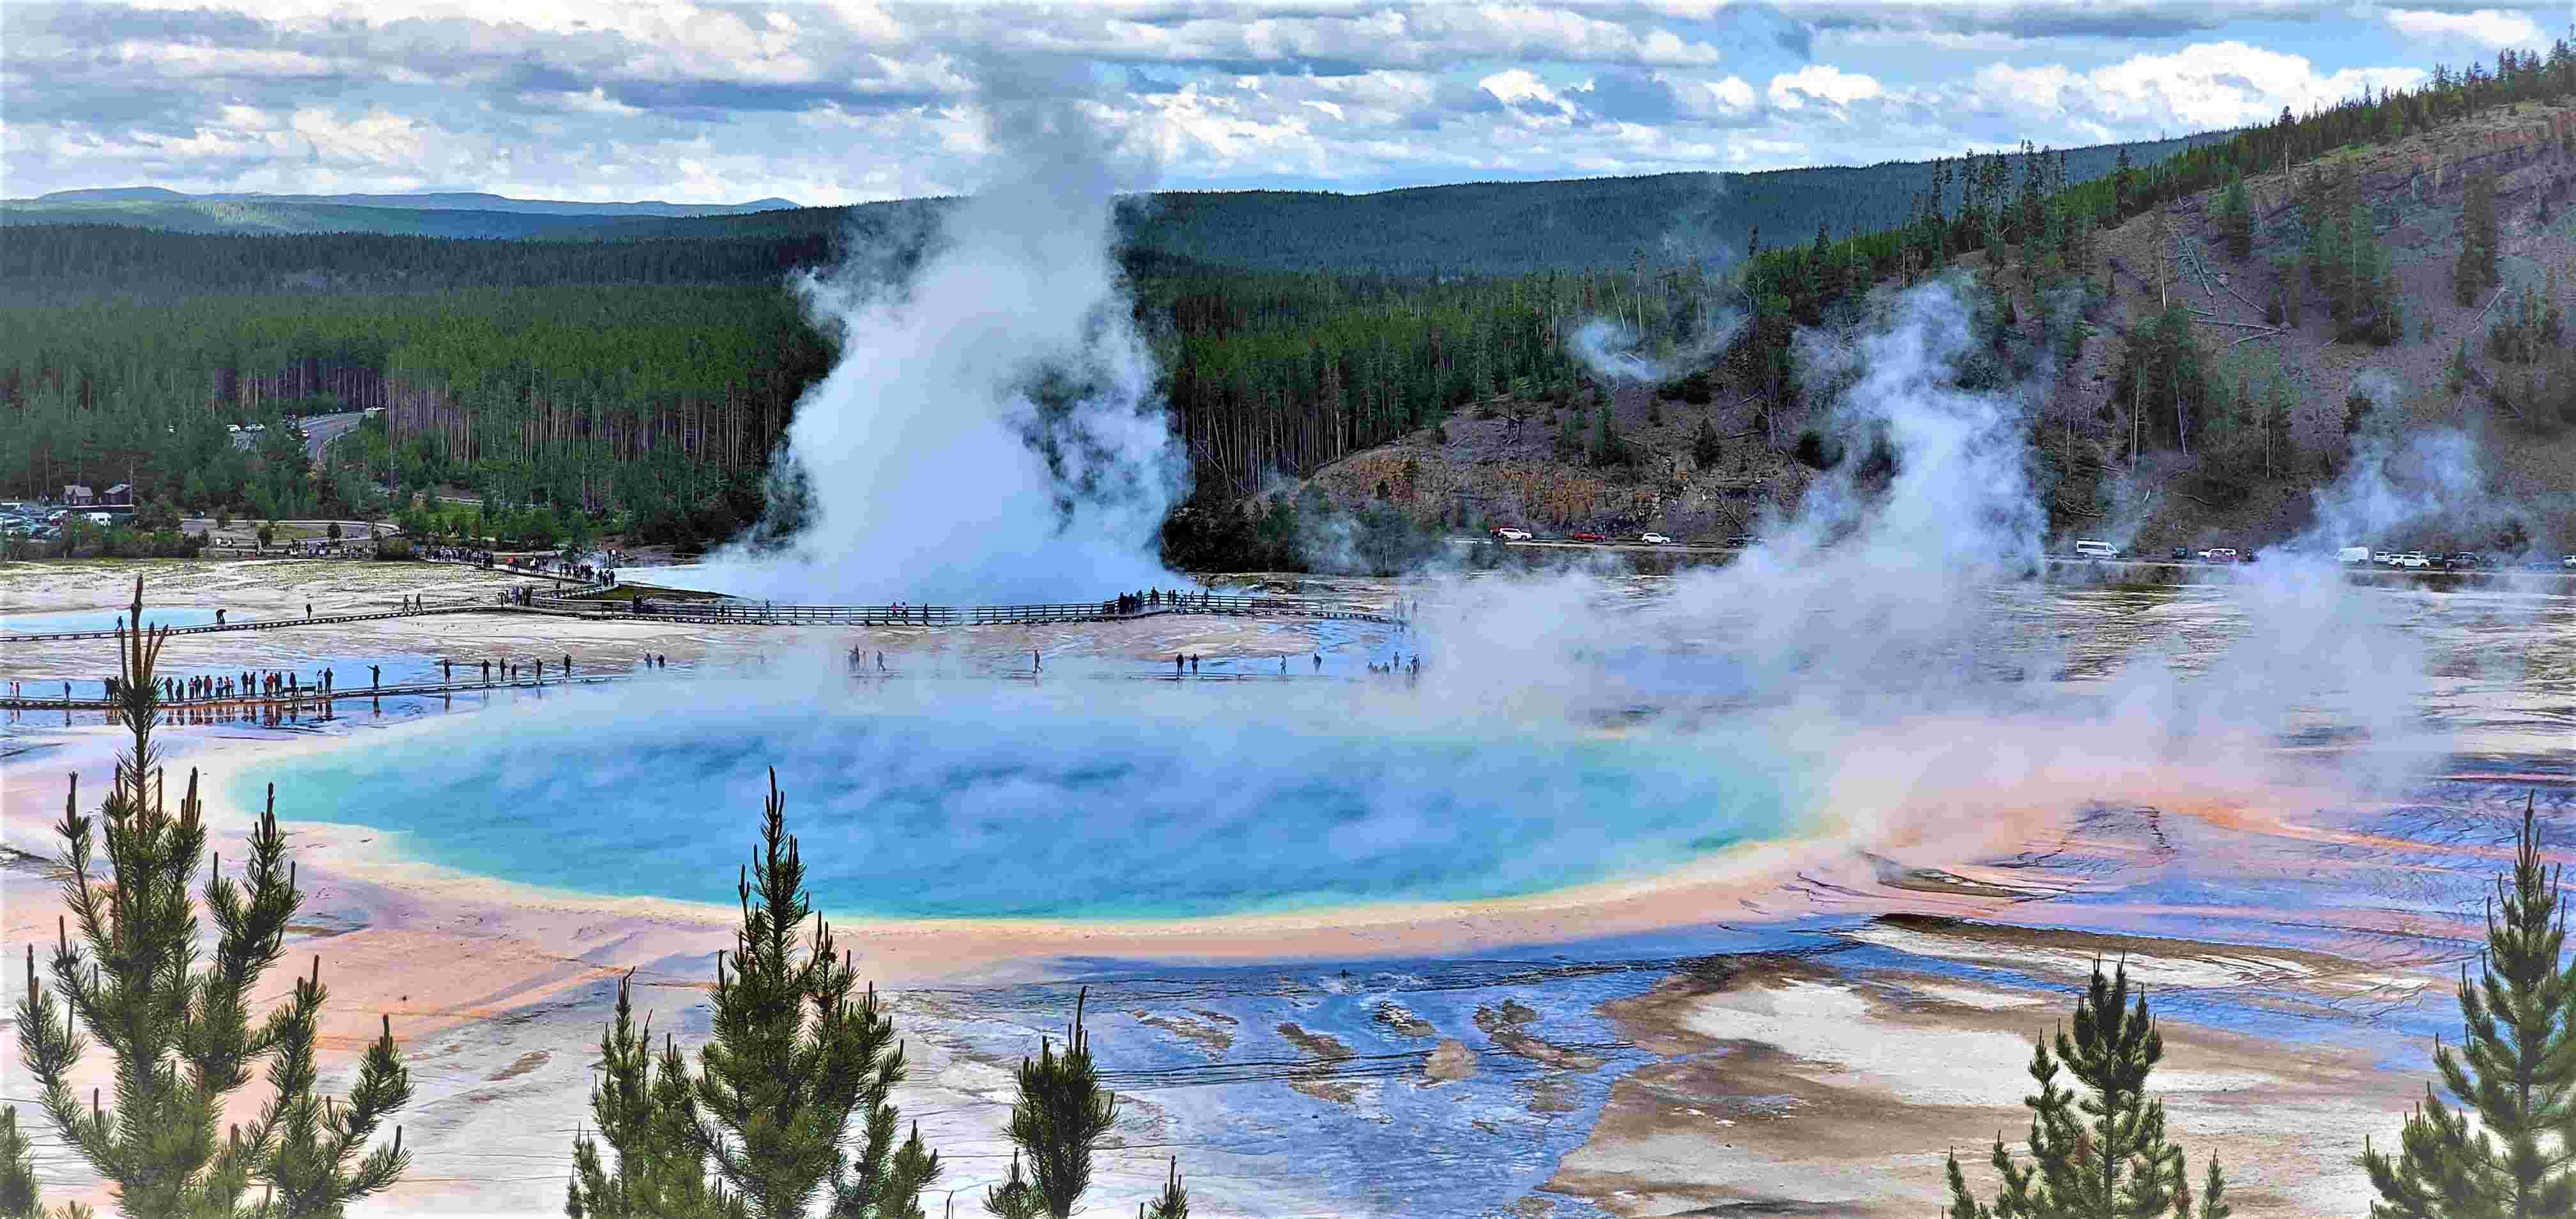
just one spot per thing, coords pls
(2516, 1067)
(649, 1120)
(1706, 447)
(2100, 1153)
(2236, 219)
(2478, 214)
(1608, 448)
(1061, 1115)
(1015, 1197)
(2213, 1194)
(182, 1037)
(796, 1053)
(18, 1193)
(1173, 1202)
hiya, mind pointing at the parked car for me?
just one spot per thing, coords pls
(2569, 561)
(2412, 559)
(2353, 554)
(2096, 550)
(1586, 537)
(2385, 558)
(2219, 554)
(2182, 554)
(1512, 535)
(1654, 539)
(2465, 560)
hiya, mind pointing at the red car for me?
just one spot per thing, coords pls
(1585, 537)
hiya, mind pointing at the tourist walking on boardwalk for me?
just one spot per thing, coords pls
(1037, 664)
(1319, 662)
(567, 669)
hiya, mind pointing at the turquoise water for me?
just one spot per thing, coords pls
(992, 805)
(107, 620)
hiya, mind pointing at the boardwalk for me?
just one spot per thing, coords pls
(756, 613)
(744, 613)
(34, 700)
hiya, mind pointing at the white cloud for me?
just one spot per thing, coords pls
(1731, 98)
(830, 101)
(1821, 82)
(2488, 27)
(2203, 86)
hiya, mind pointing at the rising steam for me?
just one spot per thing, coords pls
(992, 431)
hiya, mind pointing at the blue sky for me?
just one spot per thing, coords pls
(845, 101)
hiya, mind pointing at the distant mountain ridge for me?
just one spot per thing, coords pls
(474, 201)
(1473, 228)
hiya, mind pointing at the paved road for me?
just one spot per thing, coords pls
(321, 430)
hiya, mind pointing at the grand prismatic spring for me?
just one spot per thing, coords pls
(1532, 881)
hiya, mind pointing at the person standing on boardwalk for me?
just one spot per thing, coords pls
(308, 609)
(567, 664)
(375, 676)
(446, 671)
(1037, 663)
(1180, 664)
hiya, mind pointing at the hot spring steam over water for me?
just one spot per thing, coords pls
(978, 802)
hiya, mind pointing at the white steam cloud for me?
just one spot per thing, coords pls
(992, 431)
(1609, 347)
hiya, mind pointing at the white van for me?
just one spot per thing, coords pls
(2096, 550)
(2353, 554)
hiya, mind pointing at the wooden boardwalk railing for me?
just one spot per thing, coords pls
(262, 624)
(746, 613)
(27, 700)
(771, 614)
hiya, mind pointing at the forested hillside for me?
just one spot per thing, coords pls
(640, 385)
(1485, 228)
(2363, 244)
(472, 201)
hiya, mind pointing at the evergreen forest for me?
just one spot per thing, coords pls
(639, 385)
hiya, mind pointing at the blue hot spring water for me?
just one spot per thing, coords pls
(987, 804)
(109, 619)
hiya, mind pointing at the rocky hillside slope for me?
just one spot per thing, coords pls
(1499, 461)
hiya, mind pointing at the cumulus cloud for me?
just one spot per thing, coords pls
(848, 100)
(2487, 27)
(2206, 85)
(1821, 83)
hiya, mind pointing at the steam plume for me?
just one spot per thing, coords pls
(992, 430)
